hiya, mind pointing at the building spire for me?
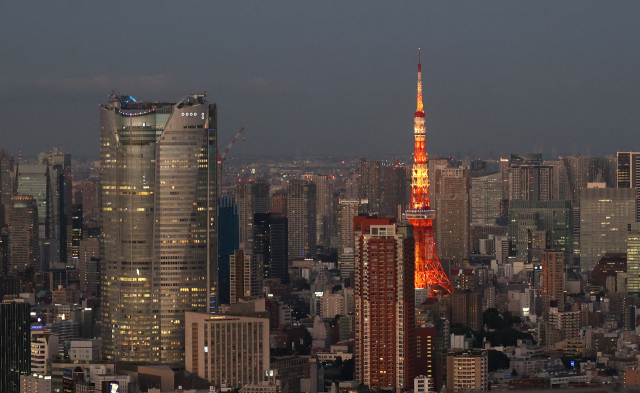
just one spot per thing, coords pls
(420, 109)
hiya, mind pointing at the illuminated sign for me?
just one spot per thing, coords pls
(114, 387)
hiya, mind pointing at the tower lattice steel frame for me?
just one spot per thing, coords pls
(429, 273)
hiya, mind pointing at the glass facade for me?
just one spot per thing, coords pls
(159, 205)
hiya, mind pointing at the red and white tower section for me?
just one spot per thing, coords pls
(429, 273)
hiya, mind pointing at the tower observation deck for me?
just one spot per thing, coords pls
(429, 273)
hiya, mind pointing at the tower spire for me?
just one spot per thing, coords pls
(429, 273)
(420, 107)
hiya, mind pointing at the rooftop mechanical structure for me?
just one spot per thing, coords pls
(429, 273)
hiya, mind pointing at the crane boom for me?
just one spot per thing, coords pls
(221, 157)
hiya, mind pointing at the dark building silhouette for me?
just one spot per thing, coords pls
(228, 243)
(15, 345)
(270, 239)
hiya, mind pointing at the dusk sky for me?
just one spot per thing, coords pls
(331, 77)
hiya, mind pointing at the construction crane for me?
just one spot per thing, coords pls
(222, 157)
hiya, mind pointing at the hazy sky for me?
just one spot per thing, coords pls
(331, 77)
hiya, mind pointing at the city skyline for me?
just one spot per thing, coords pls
(498, 78)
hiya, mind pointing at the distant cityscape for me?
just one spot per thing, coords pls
(165, 265)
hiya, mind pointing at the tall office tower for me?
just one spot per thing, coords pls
(228, 243)
(428, 270)
(554, 217)
(452, 213)
(227, 349)
(468, 371)
(531, 182)
(369, 184)
(35, 180)
(385, 347)
(346, 248)
(605, 214)
(251, 197)
(270, 233)
(560, 188)
(59, 164)
(89, 265)
(633, 259)
(279, 202)
(301, 212)
(504, 166)
(6, 185)
(244, 201)
(553, 278)
(486, 197)
(629, 175)
(246, 275)
(159, 218)
(24, 247)
(15, 341)
(466, 308)
(602, 170)
(576, 175)
(324, 207)
(76, 230)
(90, 206)
(394, 191)
(628, 169)
(433, 165)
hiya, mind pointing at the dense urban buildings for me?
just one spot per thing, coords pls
(159, 218)
(157, 268)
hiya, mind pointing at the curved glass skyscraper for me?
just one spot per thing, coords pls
(158, 200)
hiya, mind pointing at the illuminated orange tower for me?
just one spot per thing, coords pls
(429, 272)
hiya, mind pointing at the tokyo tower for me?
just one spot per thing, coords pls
(429, 272)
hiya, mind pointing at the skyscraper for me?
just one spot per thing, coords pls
(228, 243)
(251, 197)
(24, 248)
(159, 217)
(394, 194)
(15, 341)
(452, 213)
(369, 184)
(529, 180)
(385, 347)
(553, 278)
(270, 233)
(633, 259)
(629, 175)
(348, 210)
(428, 270)
(301, 212)
(628, 169)
(324, 207)
(35, 180)
(486, 197)
(605, 214)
